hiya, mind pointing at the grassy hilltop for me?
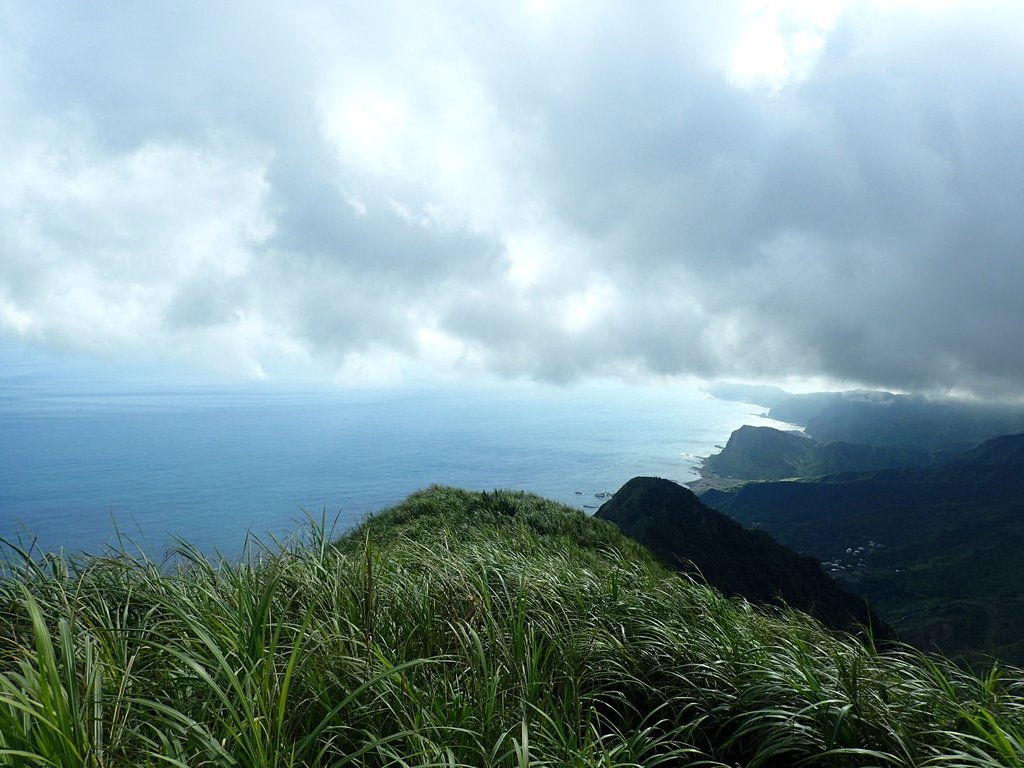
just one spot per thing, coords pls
(460, 628)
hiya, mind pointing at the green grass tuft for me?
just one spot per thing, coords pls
(458, 629)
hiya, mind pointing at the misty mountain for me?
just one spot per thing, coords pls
(936, 550)
(686, 535)
(755, 394)
(906, 421)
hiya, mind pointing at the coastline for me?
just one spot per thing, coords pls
(708, 480)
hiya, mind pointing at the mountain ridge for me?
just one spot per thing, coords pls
(898, 420)
(935, 549)
(685, 534)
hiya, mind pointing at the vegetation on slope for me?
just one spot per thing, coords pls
(936, 550)
(763, 453)
(686, 535)
(459, 628)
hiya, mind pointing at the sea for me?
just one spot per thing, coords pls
(84, 468)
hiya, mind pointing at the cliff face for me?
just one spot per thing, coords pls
(686, 535)
(764, 453)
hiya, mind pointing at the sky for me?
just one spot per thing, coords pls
(543, 190)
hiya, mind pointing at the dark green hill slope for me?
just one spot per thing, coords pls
(938, 551)
(671, 521)
(764, 453)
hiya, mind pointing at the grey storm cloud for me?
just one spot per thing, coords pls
(554, 190)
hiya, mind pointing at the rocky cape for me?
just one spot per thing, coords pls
(765, 453)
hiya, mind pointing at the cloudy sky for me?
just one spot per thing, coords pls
(548, 190)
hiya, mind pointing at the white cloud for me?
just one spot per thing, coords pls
(555, 190)
(780, 40)
(98, 246)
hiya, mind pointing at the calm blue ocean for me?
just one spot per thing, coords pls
(210, 464)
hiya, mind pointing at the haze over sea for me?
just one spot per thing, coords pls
(209, 464)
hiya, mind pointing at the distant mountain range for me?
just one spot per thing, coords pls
(916, 504)
(686, 535)
(903, 421)
(882, 418)
(937, 550)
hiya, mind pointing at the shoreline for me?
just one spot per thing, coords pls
(708, 480)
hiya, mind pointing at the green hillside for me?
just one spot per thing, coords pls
(764, 453)
(459, 629)
(686, 535)
(936, 550)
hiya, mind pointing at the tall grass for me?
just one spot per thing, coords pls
(458, 629)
